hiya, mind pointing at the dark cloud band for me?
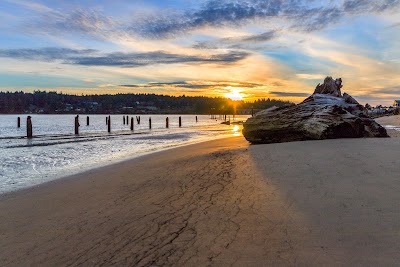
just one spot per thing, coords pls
(89, 57)
(44, 54)
(194, 85)
(288, 94)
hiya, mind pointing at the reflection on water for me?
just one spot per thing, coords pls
(237, 130)
(392, 127)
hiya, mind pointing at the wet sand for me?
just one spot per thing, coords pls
(219, 203)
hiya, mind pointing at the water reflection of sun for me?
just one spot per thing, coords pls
(234, 94)
(236, 130)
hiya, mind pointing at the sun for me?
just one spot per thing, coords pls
(234, 94)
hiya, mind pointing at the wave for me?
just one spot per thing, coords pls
(392, 127)
(51, 140)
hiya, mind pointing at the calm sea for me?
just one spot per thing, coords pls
(55, 151)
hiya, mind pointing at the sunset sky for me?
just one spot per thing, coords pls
(277, 49)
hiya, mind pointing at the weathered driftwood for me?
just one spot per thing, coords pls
(326, 114)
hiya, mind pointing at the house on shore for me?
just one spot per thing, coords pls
(396, 103)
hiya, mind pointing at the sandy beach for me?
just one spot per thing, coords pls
(218, 203)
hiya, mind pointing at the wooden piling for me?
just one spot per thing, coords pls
(87, 120)
(252, 112)
(29, 127)
(123, 119)
(150, 123)
(109, 124)
(196, 118)
(19, 122)
(132, 124)
(180, 121)
(127, 120)
(106, 120)
(77, 124)
(167, 123)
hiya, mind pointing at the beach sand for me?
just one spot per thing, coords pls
(218, 203)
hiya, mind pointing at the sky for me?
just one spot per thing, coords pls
(278, 49)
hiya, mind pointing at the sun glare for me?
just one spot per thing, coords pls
(234, 94)
(236, 130)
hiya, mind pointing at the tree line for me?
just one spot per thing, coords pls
(53, 102)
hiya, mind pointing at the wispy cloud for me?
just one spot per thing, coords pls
(257, 38)
(90, 57)
(90, 22)
(388, 91)
(307, 76)
(240, 42)
(299, 14)
(106, 85)
(363, 6)
(31, 5)
(45, 54)
(394, 25)
(158, 57)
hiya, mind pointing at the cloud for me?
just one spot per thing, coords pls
(394, 25)
(307, 76)
(196, 85)
(44, 54)
(152, 58)
(241, 42)
(300, 14)
(254, 38)
(388, 91)
(263, 37)
(278, 84)
(106, 85)
(289, 94)
(90, 57)
(83, 21)
(30, 5)
(368, 6)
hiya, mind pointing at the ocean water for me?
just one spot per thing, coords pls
(392, 127)
(390, 122)
(55, 151)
